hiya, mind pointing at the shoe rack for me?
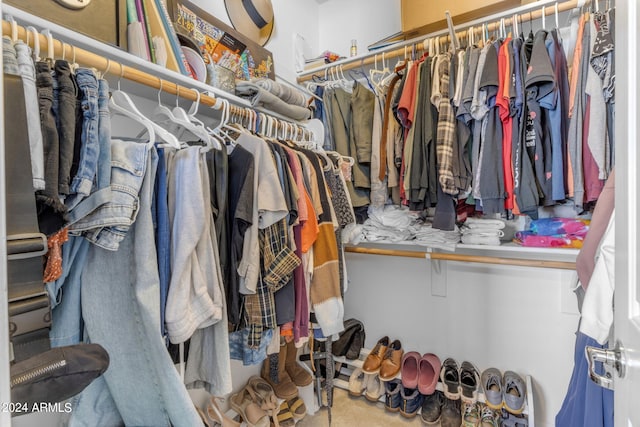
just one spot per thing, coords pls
(348, 366)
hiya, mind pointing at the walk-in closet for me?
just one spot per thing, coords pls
(319, 213)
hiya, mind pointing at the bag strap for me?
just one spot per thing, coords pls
(29, 307)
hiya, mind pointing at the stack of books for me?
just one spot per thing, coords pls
(152, 36)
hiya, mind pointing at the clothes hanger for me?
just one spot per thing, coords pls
(14, 28)
(124, 110)
(121, 100)
(544, 19)
(35, 53)
(50, 51)
(199, 125)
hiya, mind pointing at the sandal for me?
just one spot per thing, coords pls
(264, 395)
(217, 417)
(297, 408)
(203, 418)
(285, 417)
(244, 403)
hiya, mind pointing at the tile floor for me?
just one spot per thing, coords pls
(350, 411)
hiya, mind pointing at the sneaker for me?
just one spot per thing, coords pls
(392, 399)
(492, 387)
(471, 417)
(411, 402)
(375, 388)
(514, 391)
(450, 416)
(450, 378)
(432, 407)
(489, 417)
(357, 383)
(469, 380)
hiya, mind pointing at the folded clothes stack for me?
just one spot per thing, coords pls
(479, 231)
(261, 97)
(554, 232)
(396, 224)
(287, 93)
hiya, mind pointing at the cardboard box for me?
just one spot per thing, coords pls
(220, 42)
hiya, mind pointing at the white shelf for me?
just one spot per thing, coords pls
(124, 57)
(511, 250)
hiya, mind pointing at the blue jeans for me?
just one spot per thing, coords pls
(120, 295)
(28, 73)
(160, 212)
(82, 183)
(104, 217)
(64, 294)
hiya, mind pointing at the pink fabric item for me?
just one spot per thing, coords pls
(585, 262)
(429, 369)
(409, 369)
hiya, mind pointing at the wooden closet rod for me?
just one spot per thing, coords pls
(465, 258)
(401, 51)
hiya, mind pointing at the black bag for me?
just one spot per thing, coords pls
(55, 375)
(350, 343)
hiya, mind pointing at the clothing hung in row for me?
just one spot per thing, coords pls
(500, 126)
(156, 244)
(287, 206)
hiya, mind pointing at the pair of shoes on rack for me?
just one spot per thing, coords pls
(506, 391)
(288, 375)
(438, 410)
(368, 385)
(420, 372)
(398, 398)
(479, 415)
(460, 382)
(385, 359)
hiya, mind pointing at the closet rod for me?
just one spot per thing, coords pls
(528, 12)
(119, 70)
(465, 258)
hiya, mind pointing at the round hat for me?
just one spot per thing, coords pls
(252, 18)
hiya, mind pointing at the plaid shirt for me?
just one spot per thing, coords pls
(277, 264)
(446, 132)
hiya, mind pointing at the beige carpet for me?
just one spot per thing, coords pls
(350, 411)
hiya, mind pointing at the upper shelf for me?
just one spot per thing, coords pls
(152, 73)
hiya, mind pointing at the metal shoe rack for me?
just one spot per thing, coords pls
(351, 365)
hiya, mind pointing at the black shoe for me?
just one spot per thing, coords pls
(451, 416)
(432, 407)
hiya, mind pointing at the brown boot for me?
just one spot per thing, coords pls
(284, 388)
(297, 373)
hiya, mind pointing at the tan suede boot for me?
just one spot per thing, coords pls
(284, 388)
(297, 373)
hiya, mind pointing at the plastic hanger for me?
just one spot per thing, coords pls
(183, 120)
(50, 51)
(120, 103)
(544, 19)
(14, 28)
(124, 103)
(35, 53)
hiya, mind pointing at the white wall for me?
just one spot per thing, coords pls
(367, 21)
(290, 17)
(511, 318)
